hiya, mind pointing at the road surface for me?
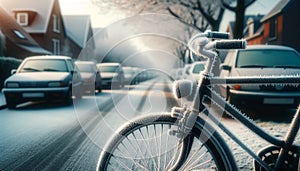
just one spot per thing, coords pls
(51, 136)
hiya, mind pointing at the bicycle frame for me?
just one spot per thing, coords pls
(235, 113)
(205, 92)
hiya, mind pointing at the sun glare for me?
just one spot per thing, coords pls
(79, 7)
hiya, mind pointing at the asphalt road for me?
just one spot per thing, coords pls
(51, 136)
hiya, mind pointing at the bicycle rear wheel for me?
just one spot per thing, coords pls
(146, 144)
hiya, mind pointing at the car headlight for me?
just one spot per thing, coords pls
(12, 85)
(54, 84)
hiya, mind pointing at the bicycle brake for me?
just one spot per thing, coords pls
(178, 112)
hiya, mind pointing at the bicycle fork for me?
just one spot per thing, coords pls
(288, 141)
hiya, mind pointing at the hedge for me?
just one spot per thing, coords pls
(6, 65)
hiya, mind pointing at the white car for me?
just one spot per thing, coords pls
(261, 60)
(112, 74)
(43, 78)
(91, 76)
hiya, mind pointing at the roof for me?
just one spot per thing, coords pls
(9, 27)
(252, 20)
(276, 47)
(255, 18)
(77, 28)
(277, 9)
(34, 49)
(49, 57)
(43, 8)
(109, 64)
(85, 62)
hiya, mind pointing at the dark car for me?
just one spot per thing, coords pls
(43, 78)
(112, 74)
(262, 60)
(91, 76)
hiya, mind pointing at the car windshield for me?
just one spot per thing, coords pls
(198, 68)
(108, 68)
(85, 68)
(39, 65)
(268, 59)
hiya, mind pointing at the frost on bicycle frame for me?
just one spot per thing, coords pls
(186, 116)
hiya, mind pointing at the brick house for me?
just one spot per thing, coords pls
(280, 26)
(43, 20)
(79, 31)
(18, 43)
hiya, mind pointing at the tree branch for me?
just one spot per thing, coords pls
(228, 6)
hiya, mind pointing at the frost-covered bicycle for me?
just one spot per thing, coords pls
(187, 138)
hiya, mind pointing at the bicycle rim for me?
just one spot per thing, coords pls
(146, 145)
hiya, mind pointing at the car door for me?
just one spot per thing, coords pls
(76, 77)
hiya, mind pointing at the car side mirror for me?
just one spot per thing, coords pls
(225, 67)
(13, 71)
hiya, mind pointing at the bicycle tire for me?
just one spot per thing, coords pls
(208, 151)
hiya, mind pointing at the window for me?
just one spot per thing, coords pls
(37, 65)
(273, 29)
(19, 34)
(267, 59)
(55, 23)
(56, 46)
(22, 18)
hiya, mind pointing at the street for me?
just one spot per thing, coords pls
(51, 136)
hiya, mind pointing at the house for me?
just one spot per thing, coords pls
(251, 25)
(18, 43)
(79, 31)
(43, 20)
(280, 26)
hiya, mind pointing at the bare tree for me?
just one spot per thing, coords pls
(238, 7)
(202, 14)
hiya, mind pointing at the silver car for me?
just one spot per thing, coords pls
(261, 60)
(91, 76)
(112, 74)
(43, 78)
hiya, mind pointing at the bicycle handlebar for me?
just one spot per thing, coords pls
(231, 44)
(218, 35)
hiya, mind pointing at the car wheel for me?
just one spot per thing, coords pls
(68, 100)
(99, 89)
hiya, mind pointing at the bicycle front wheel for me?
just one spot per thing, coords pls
(146, 144)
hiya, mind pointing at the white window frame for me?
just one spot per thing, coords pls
(56, 46)
(55, 23)
(19, 18)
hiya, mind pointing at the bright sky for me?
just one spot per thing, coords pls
(102, 20)
(86, 7)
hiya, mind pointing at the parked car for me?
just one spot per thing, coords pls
(43, 78)
(261, 60)
(112, 74)
(195, 69)
(130, 75)
(91, 76)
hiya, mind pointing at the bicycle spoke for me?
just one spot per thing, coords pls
(149, 146)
